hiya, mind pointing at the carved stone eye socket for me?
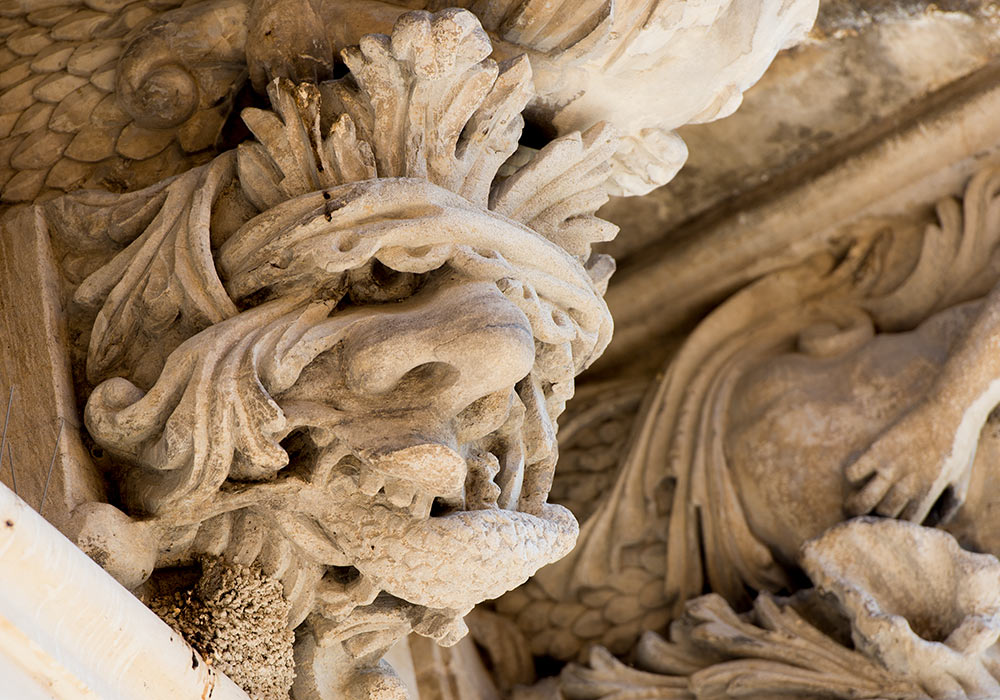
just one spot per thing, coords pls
(376, 283)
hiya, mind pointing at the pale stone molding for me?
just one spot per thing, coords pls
(68, 630)
(900, 172)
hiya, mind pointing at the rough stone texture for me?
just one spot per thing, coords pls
(353, 320)
(898, 611)
(861, 379)
(336, 353)
(328, 357)
(834, 388)
(237, 618)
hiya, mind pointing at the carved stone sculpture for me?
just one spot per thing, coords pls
(834, 388)
(898, 611)
(324, 298)
(118, 95)
(319, 363)
(338, 352)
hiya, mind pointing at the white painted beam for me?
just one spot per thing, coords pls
(68, 630)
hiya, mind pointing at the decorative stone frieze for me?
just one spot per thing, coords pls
(851, 384)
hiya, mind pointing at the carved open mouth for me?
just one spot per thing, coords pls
(449, 550)
(487, 467)
(486, 470)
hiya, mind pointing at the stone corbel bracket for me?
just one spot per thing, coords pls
(333, 358)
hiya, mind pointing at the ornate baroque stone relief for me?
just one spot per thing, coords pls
(320, 363)
(320, 371)
(853, 384)
(898, 611)
(336, 355)
(118, 95)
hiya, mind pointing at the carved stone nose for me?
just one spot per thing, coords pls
(458, 342)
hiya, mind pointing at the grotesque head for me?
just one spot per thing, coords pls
(338, 352)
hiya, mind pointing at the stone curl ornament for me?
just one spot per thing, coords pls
(336, 355)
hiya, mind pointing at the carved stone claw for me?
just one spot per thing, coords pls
(907, 469)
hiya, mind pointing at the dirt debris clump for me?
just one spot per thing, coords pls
(237, 619)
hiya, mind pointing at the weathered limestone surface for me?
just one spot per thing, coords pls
(295, 295)
(36, 380)
(332, 358)
(852, 373)
(864, 70)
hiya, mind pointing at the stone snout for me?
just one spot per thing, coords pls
(412, 387)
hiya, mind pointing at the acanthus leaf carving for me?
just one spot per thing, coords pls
(154, 84)
(336, 355)
(163, 283)
(291, 157)
(955, 259)
(547, 27)
(750, 444)
(792, 371)
(328, 333)
(540, 193)
(207, 408)
(854, 636)
(454, 119)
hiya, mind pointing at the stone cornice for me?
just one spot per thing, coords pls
(902, 169)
